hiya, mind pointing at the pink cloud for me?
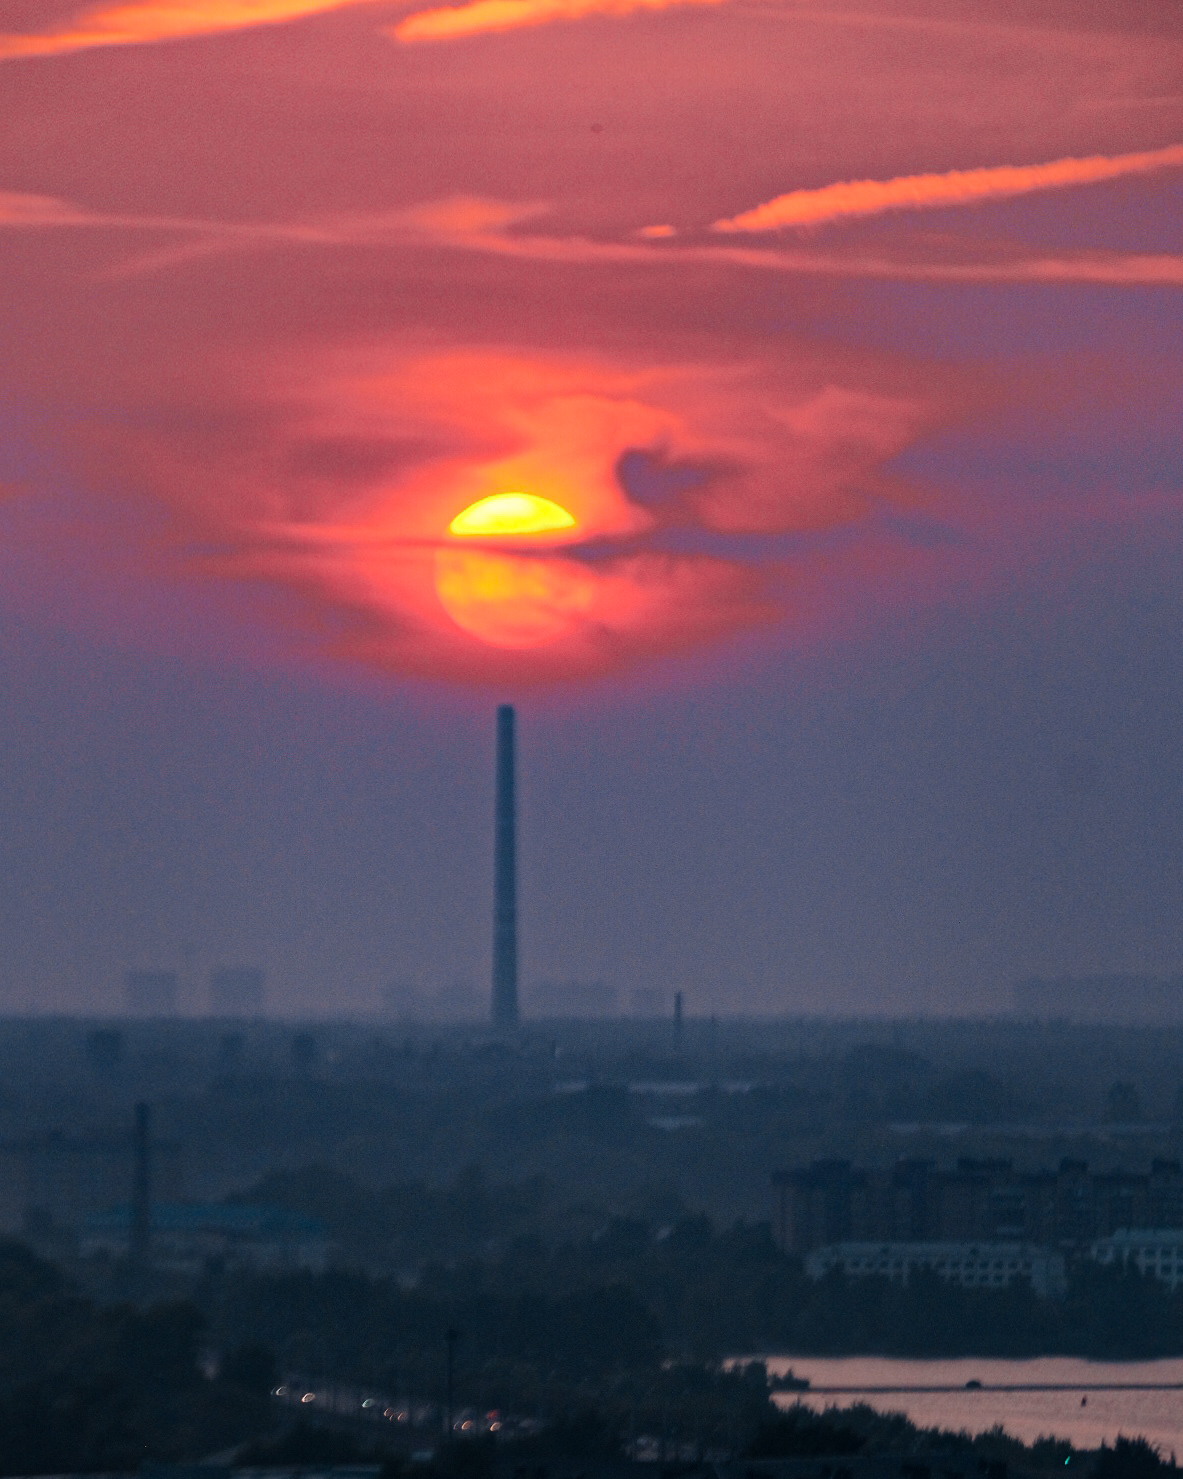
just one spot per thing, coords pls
(40, 211)
(342, 494)
(492, 227)
(295, 297)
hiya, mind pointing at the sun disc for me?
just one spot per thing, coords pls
(508, 515)
(513, 600)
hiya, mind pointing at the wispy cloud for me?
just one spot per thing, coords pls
(141, 22)
(487, 227)
(158, 20)
(20, 211)
(448, 23)
(39, 211)
(492, 228)
(1117, 269)
(854, 198)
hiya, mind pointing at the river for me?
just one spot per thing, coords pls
(1061, 1396)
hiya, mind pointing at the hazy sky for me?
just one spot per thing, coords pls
(848, 335)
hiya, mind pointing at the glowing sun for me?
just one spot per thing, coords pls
(507, 599)
(510, 515)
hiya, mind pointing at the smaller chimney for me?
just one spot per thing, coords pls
(140, 1240)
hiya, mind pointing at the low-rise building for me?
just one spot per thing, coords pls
(1157, 1251)
(981, 1265)
(186, 1236)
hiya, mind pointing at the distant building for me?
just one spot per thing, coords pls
(1126, 999)
(573, 999)
(231, 1051)
(456, 1001)
(150, 993)
(972, 1265)
(832, 1201)
(1156, 1251)
(821, 1203)
(402, 1000)
(53, 1182)
(186, 1237)
(305, 1052)
(104, 1049)
(236, 991)
(648, 1002)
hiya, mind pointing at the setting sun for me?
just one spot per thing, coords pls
(510, 515)
(512, 600)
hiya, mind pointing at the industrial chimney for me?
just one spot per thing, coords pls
(505, 883)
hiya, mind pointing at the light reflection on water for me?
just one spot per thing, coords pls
(1157, 1415)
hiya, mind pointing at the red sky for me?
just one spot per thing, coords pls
(301, 279)
(788, 304)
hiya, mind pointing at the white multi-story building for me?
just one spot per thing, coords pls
(983, 1265)
(1157, 1251)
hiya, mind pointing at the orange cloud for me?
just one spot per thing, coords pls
(854, 198)
(159, 20)
(447, 23)
(673, 474)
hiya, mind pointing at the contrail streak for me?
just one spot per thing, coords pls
(853, 198)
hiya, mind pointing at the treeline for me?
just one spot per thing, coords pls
(1107, 1314)
(592, 1338)
(403, 1224)
(85, 1386)
(633, 1289)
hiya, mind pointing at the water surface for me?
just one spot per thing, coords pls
(1085, 1401)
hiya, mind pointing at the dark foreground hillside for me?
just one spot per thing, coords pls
(88, 1386)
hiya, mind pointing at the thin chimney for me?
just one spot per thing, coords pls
(505, 882)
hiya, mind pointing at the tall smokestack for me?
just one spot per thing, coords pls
(140, 1241)
(505, 881)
